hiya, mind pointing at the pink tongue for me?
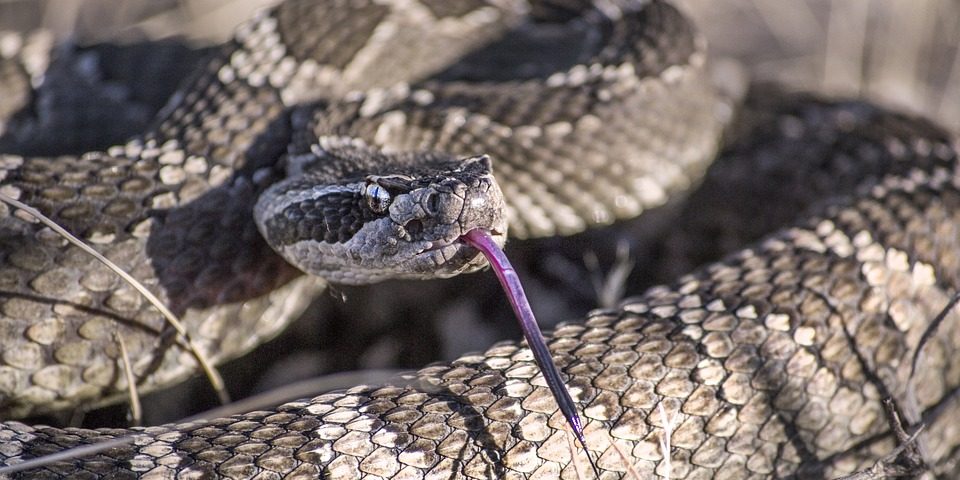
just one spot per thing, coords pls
(481, 240)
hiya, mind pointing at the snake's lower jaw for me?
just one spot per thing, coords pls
(456, 257)
(477, 259)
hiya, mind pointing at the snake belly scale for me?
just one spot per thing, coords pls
(761, 355)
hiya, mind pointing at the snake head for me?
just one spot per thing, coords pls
(404, 220)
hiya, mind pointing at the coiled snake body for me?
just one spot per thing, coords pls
(775, 359)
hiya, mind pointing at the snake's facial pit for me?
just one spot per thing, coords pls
(405, 222)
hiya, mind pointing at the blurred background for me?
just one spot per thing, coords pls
(901, 54)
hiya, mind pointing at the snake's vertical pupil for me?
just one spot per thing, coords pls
(378, 198)
(432, 203)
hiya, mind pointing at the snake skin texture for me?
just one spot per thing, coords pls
(157, 204)
(774, 360)
(173, 207)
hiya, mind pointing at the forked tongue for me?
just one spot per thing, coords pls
(482, 241)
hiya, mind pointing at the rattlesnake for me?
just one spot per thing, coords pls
(753, 352)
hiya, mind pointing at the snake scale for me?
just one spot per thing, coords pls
(774, 360)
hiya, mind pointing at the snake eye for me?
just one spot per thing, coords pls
(378, 198)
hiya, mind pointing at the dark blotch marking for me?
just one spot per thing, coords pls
(328, 35)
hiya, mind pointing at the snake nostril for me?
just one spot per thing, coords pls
(413, 227)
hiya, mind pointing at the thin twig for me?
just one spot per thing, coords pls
(886, 466)
(216, 381)
(930, 331)
(136, 412)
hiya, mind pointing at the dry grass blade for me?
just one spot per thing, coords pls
(631, 470)
(65, 455)
(665, 449)
(609, 287)
(791, 22)
(136, 412)
(951, 92)
(302, 389)
(216, 381)
(578, 466)
(844, 47)
(886, 466)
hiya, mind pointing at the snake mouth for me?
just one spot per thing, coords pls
(452, 257)
(430, 245)
(497, 235)
(458, 244)
(475, 255)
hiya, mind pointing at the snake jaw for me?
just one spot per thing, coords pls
(446, 251)
(499, 237)
(460, 252)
